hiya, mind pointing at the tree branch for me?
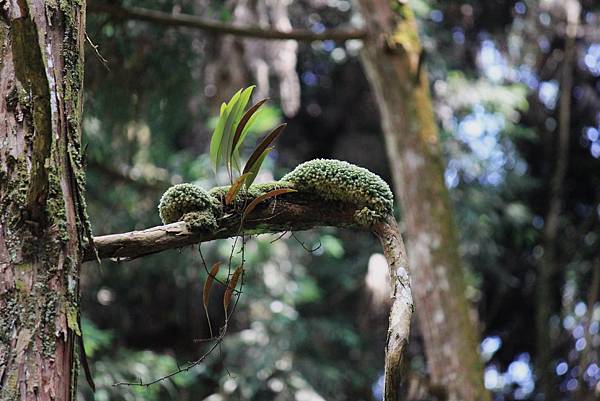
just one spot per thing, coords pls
(195, 22)
(290, 212)
(402, 305)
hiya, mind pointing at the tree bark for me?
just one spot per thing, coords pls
(392, 58)
(42, 211)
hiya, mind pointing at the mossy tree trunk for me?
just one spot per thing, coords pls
(392, 60)
(43, 224)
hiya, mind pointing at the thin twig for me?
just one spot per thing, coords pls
(179, 370)
(279, 237)
(303, 245)
(103, 61)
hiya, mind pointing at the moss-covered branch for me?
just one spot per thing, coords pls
(290, 212)
(325, 193)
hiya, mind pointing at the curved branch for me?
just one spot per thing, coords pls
(402, 305)
(195, 22)
(289, 212)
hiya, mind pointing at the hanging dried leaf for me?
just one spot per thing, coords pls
(208, 284)
(231, 287)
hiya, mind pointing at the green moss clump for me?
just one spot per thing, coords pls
(251, 193)
(341, 181)
(182, 199)
(202, 220)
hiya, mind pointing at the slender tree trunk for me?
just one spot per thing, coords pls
(392, 59)
(547, 270)
(43, 223)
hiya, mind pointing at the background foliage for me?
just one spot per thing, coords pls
(309, 326)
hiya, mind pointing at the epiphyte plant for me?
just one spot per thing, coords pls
(230, 132)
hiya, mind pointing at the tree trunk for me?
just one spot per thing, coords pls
(550, 266)
(392, 60)
(42, 212)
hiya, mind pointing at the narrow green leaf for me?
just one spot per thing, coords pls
(262, 146)
(230, 113)
(217, 136)
(237, 106)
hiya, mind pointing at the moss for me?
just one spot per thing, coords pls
(11, 382)
(253, 192)
(332, 180)
(55, 205)
(30, 70)
(405, 33)
(185, 198)
(200, 221)
(3, 34)
(337, 180)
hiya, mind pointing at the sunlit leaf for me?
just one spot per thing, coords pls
(216, 140)
(237, 108)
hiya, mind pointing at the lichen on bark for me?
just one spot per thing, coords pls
(42, 211)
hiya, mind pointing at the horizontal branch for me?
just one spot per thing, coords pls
(290, 212)
(203, 24)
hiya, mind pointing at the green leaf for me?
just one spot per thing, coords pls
(217, 136)
(229, 120)
(237, 108)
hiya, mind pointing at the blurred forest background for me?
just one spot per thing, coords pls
(312, 320)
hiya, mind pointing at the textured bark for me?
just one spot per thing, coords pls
(392, 59)
(42, 215)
